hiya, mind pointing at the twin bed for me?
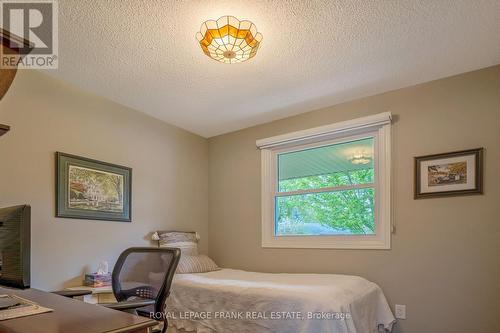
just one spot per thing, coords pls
(230, 300)
(236, 301)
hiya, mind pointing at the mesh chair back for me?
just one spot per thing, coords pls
(145, 272)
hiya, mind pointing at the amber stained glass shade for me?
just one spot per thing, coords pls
(229, 40)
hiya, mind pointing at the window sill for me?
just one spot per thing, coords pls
(328, 242)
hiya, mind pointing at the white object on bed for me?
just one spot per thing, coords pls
(187, 242)
(227, 292)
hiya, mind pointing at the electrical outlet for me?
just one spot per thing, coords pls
(400, 311)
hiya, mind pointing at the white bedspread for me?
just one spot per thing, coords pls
(247, 302)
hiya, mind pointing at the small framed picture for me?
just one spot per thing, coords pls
(93, 190)
(449, 174)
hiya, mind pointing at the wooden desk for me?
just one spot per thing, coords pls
(71, 316)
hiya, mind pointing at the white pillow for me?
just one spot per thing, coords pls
(187, 242)
(196, 264)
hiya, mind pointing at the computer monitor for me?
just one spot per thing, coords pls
(15, 246)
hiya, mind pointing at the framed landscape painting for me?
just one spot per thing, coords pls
(450, 174)
(90, 189)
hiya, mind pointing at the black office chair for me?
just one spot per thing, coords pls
(141, 280)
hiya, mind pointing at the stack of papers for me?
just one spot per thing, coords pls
(21, 307)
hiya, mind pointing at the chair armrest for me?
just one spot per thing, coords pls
(72, 293)
(128, 305)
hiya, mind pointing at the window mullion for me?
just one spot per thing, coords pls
(325, 189)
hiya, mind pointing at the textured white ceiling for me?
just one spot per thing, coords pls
(143, 54)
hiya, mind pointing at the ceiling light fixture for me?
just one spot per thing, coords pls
(229, 40)
(360, 159)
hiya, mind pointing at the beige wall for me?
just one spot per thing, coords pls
(444, 263)
(169, 174)
(445, 258)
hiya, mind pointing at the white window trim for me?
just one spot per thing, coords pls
(377, 126)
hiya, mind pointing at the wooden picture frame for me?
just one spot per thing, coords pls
(449, 174)
(92, 190)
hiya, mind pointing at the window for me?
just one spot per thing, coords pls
(328, 187)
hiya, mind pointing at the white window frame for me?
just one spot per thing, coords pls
(377, 126)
